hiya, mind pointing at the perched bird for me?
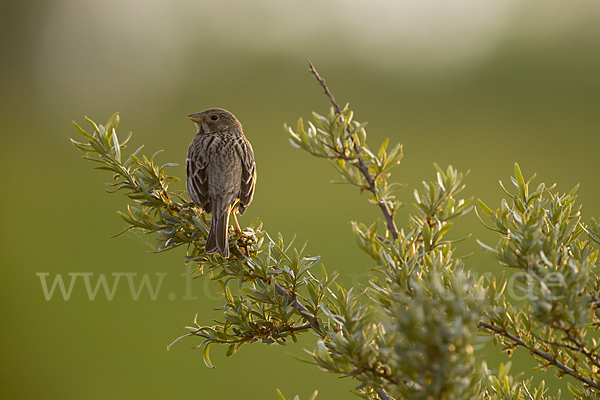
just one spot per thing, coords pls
(221, 173)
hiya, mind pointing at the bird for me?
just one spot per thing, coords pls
(220, 173)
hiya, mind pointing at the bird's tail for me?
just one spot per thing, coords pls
(217, 240)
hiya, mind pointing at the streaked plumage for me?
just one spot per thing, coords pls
(221, 172)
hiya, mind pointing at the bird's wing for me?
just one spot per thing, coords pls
(196, 164)
(248, 175)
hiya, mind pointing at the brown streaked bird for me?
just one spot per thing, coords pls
(221, 173)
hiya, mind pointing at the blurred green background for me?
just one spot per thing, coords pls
(479, 85)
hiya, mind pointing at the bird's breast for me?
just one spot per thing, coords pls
(224, 167)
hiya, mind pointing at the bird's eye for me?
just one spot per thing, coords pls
(214, 117)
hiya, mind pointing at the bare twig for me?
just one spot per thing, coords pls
(358, 162)
(313, 71)
(546, 356)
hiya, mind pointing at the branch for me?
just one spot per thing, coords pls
(297, 305)
(593, 358)
(360, 162)
(582, 349)
(541, 354)
(313, 71)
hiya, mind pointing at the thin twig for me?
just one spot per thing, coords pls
(359, 162)
(581, 348)
(383, 395)
(593, 357)
(553, 343)
(313, 71)
(546, 356)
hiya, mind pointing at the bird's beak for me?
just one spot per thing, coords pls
(195, 117)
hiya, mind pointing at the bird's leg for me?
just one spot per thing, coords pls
(238, 230)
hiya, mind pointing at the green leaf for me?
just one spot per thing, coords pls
(84, 147)
(116, 145)
(206, 357)
(113, 122)
(426, 235)
(444, 230)
(519, 179)
(485, 208)
(230, 350)
(281, 396)
(84, 133)
(382, 149)
(323, 353)
(92, 123)
(321, 121)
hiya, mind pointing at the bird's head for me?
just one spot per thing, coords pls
(215, 120)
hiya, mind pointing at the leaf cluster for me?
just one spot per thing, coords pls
(551, 300)
(156, 209)
(505, 387)
(263, 305)
(342, 141)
